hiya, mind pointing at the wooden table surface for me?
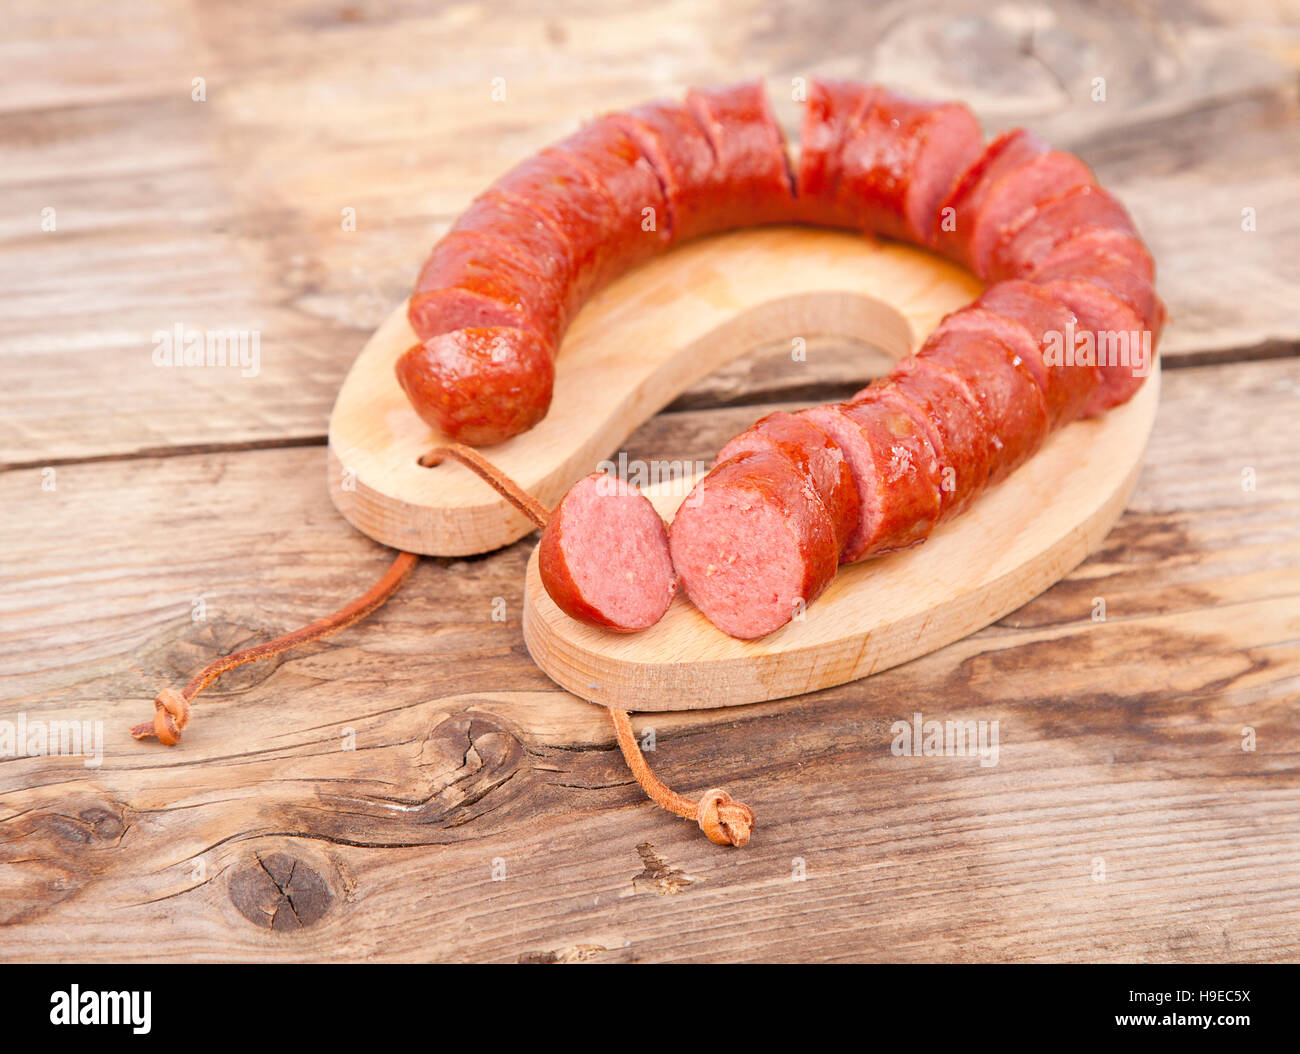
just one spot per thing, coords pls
(414, 787)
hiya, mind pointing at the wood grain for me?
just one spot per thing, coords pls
(1120, 740)
(300, 122)
(264, 837)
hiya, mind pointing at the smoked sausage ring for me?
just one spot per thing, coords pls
(1066, 327)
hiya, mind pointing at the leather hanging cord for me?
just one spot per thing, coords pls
(172, 708)
(492, 476)
(723, 820)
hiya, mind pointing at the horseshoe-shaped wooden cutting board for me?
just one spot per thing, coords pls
(632, 349)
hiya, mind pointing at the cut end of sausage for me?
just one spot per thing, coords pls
(604, 556)
(817, 455)
(753, 545)
(480, 385)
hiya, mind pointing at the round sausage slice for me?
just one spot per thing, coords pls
(604, 556)
(753, 544)
(816, 453)
(895, 470)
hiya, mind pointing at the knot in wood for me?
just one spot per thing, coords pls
(280, 892)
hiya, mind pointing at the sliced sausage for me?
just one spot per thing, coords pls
(1015, 197)
(1123, 348)
(604, 556)
(523, 234)
(954, 218)
(466, 268)
(818, 457)
(683, 159)
(563, 195)
(1115, 273)
(895, 470)
(832, 108)
(1049, 321)
(753, 544)
(750, 152)
(1001, 383)
(900, 159)
(954, 424)
(1054, 222)
(615, 163)
(1088, 245)
(480, 385)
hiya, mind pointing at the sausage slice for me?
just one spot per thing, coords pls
(899, 160)
(956, 214)
(1048, 320)
(818, 457)
(1053, 222)
(1109, 263)
(683, 160)
(1000, 382)
(1016, 196)
(755, 184)
(604, 556)
(615, 163)
(470, 267)
(955, 427)
(1123, 346)
(753, 544)
(895, 470)
(829, 115)
(1087, 245)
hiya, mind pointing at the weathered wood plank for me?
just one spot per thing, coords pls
(1120, 742)
(226, 214)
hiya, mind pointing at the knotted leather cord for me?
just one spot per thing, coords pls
(723, 820)
(172, 708)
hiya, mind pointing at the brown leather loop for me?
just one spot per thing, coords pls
(171, 715)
